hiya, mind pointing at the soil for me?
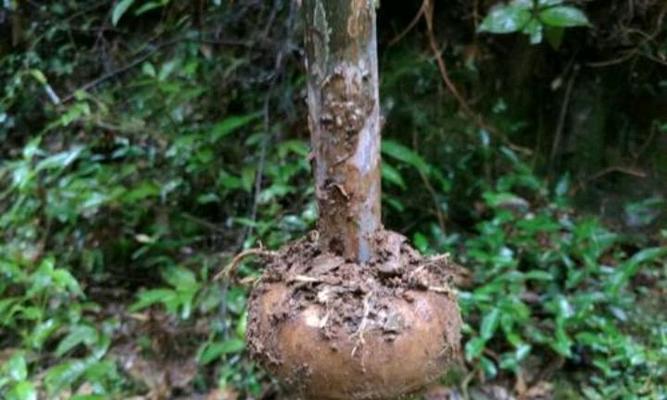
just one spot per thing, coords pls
(379, 305)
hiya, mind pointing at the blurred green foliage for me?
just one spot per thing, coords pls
(145, 143)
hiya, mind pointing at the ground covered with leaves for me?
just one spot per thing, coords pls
(143, 144)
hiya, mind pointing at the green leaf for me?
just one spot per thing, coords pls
(474, 348)
(23, 390)
(547, 3)
(391, 175)
(562, 343)
(406, 155)
(119, 10)
(506, 19)
(630, 267)
(150, 297)
(554, 36)
(64, 279)
(534, 29)
(148, 7)
(82, 334)
(60, 160)
(537, 275)
(142, 191)
(490, 323)
(38, 75)
(230, 124)
(563, 16)
(42, 332)
(179, 277)
(489, 367)
(16, 367)
(63, 375)
(214, 350)
(522, 351)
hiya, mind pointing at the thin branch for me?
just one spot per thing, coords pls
(411, 25)
(435, 48)
(120, 70)
(561, 118)
(429, 188)
(231, 267)
(616, 168)
(477, 119)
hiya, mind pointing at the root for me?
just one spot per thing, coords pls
(362, 325)
(229, 269)
(304, 279)
(442, 290)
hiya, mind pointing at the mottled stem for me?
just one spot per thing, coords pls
(341, 58)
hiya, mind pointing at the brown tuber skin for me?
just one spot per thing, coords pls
(333, 330)
(379, 369)
(351, 312)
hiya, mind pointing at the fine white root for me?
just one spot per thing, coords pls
(446, 290)
(304, 279)
(362, 325)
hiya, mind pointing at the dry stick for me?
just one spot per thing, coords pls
(227, 271)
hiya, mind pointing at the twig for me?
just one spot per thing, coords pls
(561, 118)
(411, 25)
(429, 188)
(619, 60)
(435, 48)
(120, 70)
(654, 130)
(617, 168)
(227, 271)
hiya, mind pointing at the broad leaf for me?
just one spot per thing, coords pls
(214, 350)
(391, 175)
(23, 390)
(230, 124)
(506, 19)
(490, 323)
(81, 334)
(406, 155)
(16, 367)
(474, 348)
(563, 16)
(63, 375)
(119, 10)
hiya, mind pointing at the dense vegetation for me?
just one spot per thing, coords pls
(145, 143)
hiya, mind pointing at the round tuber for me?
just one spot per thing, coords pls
(331, 329)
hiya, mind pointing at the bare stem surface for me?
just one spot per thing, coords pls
(341, 54)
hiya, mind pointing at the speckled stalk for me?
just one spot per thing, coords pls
(341, 58)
